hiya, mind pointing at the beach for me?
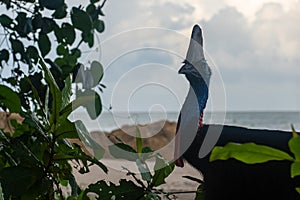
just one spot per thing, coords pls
(159, 136)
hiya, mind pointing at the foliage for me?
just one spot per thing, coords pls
(251, 153)
(144, 187)
(36, 158)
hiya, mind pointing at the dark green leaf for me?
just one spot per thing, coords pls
(48, 25)
(17, 180)
(99, 25)
(123, 151)
(61, 50)
(81, 20)
(295, 169)
(139, 143)
(24, 25)
(44, 44)
(37, 21)
(9, 99)
(52, 4)
(56, 93)
(151, 196)
(88, 37)
(4, 56)
(97, 72)
(126, 190)
(33, 53)
(294, 145)
(66, 92)
(60, 13)
(68, 33)
(88, 141)
(66, 129)
(248, 153)
(91, 101)
(5, 21)
(200, 193)
(17, 47)
(144, 170)
(162, 170)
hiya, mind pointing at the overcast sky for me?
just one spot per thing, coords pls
(253, 47)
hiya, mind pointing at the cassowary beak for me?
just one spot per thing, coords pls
(195, 50)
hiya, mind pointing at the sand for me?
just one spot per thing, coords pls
(174, 183)
(159, 136)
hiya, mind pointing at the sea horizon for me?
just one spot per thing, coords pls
(277, 120)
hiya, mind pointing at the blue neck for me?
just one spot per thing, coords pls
(201, 90)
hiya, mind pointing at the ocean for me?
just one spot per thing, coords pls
(109, 121)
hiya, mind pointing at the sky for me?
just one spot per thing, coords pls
(252, 47)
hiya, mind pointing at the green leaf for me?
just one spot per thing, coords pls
(61, 12)
(151, 196)
(97, 72)
(88, 37)
(123, 151)
(66, 92)
(91, 101)
(147, 153)
(68, 33)
(139, 143)
(47, 25)
(5, 21)
(51, 5)
(295, 134)
(81, 20)
(17, 180)
(4, 56)
(61, 50)
(9, 99)
(99, 25)
(88, 141)
(295, 169)
(44, 44)
(248, 153)
(126, 190)
(54, 90)
(144, 170)
(66, 129)
(200, 193)
(298, 189)
(162, 170)
(17, 47)
(294, 145)
(33, 53)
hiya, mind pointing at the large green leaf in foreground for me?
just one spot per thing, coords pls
(248, 153)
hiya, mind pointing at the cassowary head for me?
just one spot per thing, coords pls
(195, 66)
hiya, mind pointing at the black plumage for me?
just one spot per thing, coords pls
(230, 179)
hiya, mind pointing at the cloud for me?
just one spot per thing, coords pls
(258, 57)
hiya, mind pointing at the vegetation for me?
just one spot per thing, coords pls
(36, 159)
(251, 153)
(44, 86)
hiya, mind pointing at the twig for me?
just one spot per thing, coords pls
(129, 173)
(22, 7)
(103, 4)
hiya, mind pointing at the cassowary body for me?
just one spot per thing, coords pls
(230, 179)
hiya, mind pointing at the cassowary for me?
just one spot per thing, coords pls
(230, 179)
